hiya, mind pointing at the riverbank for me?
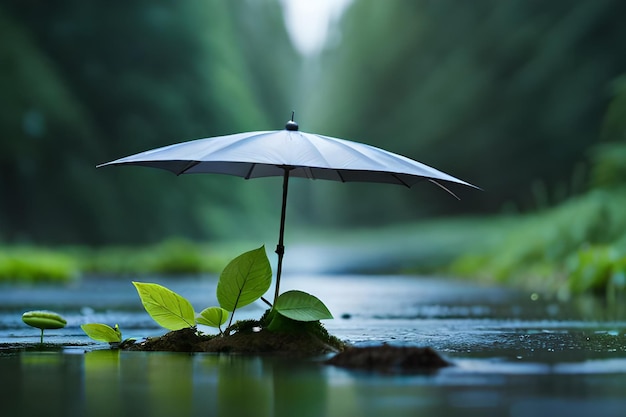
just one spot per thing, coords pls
(576, 247)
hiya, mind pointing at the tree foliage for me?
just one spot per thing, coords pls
(84, 83)
(508, 95)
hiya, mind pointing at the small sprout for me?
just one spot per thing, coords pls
(213, 317)
(103, 333)
(43, 320)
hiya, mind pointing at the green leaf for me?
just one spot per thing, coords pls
(167, 308)
(244, 280)
(300, 306)
(213, 316)
(102, 332)
(44, 319)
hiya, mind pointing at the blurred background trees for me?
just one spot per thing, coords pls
(509, 95)
(88, 82)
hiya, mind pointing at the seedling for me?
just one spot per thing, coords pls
(243, 281)
(43, 320)
(103, 333)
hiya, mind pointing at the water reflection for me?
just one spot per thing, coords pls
(38, 383)
(160, 384)
(515, 355)
(112, 383)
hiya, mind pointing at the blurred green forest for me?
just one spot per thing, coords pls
(508, 95)
(87, 82)
(512, 96)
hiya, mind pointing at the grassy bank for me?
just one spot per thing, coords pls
(577, 247)
(31, 264)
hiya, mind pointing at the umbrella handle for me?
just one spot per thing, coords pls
(280, 248)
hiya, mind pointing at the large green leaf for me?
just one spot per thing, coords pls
(244, 280)
(213, 316)
(167, 308)
(102, 332)
(301, 306)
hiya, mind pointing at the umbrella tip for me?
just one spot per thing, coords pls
(291, 125)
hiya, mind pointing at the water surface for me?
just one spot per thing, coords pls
(514, 354)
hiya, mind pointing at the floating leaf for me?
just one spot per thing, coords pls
(102, 332)
(43, 319)
(244, 280)
(167, 308)
(213, 316)
(300, 306)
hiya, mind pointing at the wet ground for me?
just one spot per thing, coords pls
(513, 353)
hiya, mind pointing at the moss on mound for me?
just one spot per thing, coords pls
(248, 338)
(291, 338)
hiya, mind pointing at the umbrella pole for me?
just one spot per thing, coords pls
(280, 248)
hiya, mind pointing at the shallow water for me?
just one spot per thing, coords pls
(514, 354)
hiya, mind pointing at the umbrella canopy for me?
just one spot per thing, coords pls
(288, 153)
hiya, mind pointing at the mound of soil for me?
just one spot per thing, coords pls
(314, 341)
(249, 342)
(390, 359)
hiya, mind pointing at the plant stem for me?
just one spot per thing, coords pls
(231, 318)
(266, 302)
(41, 338)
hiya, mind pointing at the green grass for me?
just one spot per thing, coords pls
(579, 246)
(171, 257)
(30, 265)
(64, 264)
(576, 247)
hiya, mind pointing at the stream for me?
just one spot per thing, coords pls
(514, 354)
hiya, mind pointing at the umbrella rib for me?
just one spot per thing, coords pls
(445, 188)
(249, 174)
(345, 144)
(400, 180)
(253, 136)
(188, 167)
(408, 162)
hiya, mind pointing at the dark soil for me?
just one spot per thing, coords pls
(383, 358)
(295, 339)
(247, 342)
(390, 359)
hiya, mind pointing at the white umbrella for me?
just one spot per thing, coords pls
(288, 153)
